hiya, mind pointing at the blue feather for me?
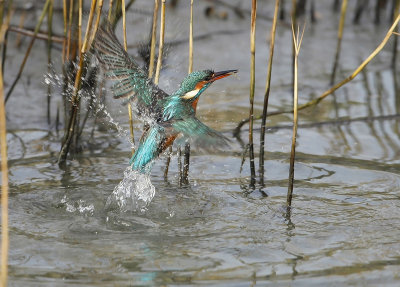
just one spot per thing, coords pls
(148, 149)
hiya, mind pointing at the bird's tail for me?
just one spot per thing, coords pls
(148, 149)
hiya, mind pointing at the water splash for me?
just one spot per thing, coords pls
(79, 206)
(133, 193)
(90, 100)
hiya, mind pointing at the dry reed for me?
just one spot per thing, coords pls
(75, 99)
(161, 43)
(158, 67)
(4, 186)
(267, 90)
(185, 175)
(69, 37)
(110, 6)
(4, 168)
(153, 38)
(396, 12)
(297, 40)
(339, 40)
(65, 30)
(252, 87)
(130, 115)
(49, 44)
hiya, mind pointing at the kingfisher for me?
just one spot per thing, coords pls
(167, 117)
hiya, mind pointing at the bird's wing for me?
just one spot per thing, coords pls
(130, 80)
(194, 131)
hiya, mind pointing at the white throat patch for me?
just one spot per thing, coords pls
(190, 94)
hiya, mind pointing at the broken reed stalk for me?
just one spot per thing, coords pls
(267, 90)
(153, 38)
(185, 177)
(49, 44)
(252, 86)
(21, 68)
(126, 50)
(4, 168)
(339, 40)
(337, 86)
(396, 12)
(297, 39)
(75, 99)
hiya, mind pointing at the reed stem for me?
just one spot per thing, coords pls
(396, 12)
(126, 50)
(153, 38)
(267, 90)
(339, 41)
(39, 36)
(1, 12)
(190, 69)
(75, 99)
(4, 187)
(4, 171)
(49, 44)
(110, 6)
(70, 16)
(294, 23)
(161, 43)
(252, 87)
(186, 163)
(65, 21)
(124, 25)
(158, 68)
(297, 40)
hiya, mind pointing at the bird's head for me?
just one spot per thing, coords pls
(195, 83)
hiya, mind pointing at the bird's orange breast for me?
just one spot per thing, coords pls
(169, 141)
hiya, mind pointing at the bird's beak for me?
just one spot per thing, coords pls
(222, 74)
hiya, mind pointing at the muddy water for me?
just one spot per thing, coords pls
(344, 228)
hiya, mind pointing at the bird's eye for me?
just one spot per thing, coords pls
(209, 77)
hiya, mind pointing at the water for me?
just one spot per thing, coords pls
(67, 227)
(134, 192)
